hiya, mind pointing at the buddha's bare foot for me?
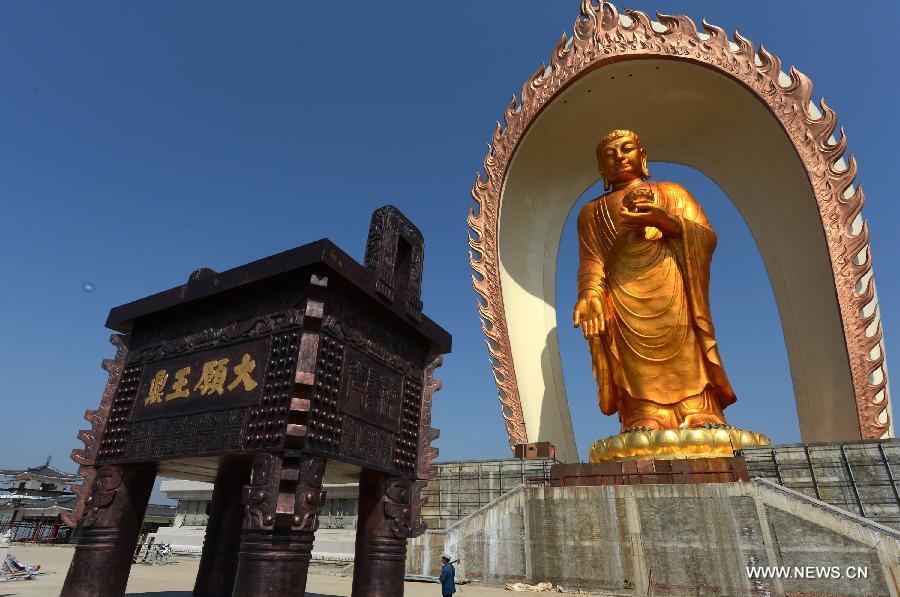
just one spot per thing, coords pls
(707, 421)
(643, 425)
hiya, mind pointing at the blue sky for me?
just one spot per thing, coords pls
(140, 141)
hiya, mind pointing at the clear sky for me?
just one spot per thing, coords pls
(140, 141)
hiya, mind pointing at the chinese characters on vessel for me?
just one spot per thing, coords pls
(210, 380)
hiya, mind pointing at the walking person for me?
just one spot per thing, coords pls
(448, 577)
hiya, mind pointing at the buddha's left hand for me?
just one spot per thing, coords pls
(647, 213)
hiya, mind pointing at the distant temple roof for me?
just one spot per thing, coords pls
(44, 471)
(160, 510)
(63, 503)
(51, 506)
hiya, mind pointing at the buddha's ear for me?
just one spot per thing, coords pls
(606, 185)
(645, 173)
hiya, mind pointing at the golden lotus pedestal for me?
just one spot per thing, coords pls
(669, 444)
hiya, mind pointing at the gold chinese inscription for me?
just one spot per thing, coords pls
(155, 394)
(216, 379)
(209, 380)
(212, 378)
(242, 374)
(179, 386)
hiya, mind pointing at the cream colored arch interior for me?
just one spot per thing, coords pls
(688, 114)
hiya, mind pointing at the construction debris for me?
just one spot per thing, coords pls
(158, 554)
(544, 587)
(10, 568)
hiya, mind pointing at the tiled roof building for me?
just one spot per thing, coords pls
(32, 500)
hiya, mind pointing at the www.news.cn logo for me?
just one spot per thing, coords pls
(808, 572)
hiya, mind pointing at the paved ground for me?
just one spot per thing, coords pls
(177, 580)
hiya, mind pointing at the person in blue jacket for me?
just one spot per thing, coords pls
(448, 577)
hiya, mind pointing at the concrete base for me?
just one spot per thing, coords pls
(650, 472)
(676, 539)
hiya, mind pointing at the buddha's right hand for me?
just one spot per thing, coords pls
(588, 314)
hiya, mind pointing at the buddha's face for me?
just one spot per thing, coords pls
(622, 160)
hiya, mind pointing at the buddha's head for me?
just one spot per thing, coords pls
(621, 158)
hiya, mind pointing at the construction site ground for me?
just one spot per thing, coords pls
(177, 578)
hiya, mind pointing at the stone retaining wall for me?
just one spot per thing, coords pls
(666, 539)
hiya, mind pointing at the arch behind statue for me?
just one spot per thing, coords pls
(727, 110)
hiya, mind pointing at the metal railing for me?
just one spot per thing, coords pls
(461, 488)
(43, 530)
(860, 477)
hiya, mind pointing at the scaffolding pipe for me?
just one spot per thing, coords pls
(812, 473)
(887, 466)
(862, 511)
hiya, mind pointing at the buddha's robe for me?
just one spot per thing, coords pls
(659, 343)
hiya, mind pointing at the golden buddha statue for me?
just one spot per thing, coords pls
(643, 304)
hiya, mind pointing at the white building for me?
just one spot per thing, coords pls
(334, 539)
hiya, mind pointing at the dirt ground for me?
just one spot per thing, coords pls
(177, 580)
